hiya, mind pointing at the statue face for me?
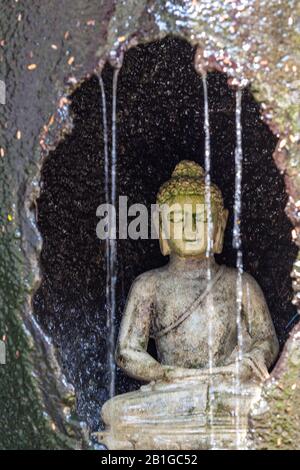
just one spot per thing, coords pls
(184, 227)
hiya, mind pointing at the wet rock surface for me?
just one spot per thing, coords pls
(46, 47)
(37, 41)
(160, 122)
(274, 420)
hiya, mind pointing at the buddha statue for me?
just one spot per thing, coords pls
(209, 367)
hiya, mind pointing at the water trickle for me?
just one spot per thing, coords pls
(105, 139)
(113, 242)
(210, 305)
(110, 186)
(107, 241)
(237, 244)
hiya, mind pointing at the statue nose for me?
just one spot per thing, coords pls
(189, 232)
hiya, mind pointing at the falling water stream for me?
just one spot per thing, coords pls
(107, 200)
(113, 242)
(105, 138)
(237, 244)
(209, 249)
(110, 175)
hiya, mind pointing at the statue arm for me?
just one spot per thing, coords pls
(131, 351)
(263, 347)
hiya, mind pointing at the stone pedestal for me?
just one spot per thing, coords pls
(189, 416)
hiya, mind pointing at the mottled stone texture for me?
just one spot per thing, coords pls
(275, 421)
(67, 39)
(27, 31)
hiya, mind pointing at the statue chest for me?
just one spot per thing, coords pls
(192, 323)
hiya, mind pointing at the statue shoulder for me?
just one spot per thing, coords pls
(228, 274)
(248, 281)
(145, 283)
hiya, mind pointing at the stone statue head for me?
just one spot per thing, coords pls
(184, 227)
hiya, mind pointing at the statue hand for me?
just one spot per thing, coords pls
(248, 370)
(178, 373)
(256, 368)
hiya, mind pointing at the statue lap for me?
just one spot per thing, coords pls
(186, 415)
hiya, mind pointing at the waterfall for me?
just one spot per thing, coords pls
(107, 241)
(113, 241)
(110, 176)
(105, 138)
(237, 244)
(209, 253)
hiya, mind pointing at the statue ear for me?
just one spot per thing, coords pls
(164, 247)
(225, 218)
(163, 242)
(219, 235)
